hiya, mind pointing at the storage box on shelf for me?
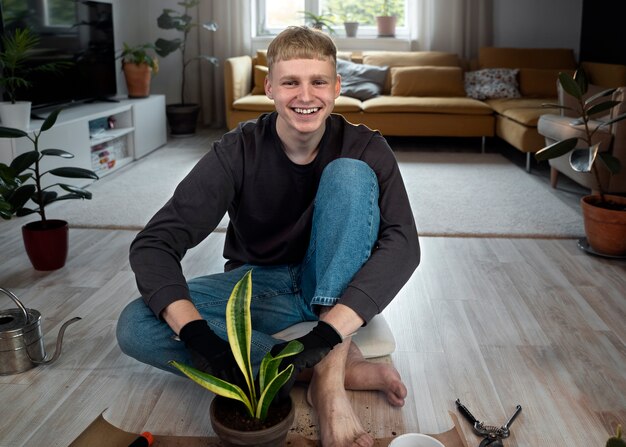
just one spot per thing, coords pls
(103, 136)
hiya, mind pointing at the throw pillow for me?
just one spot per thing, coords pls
(490, 83)
(361, 81)
(260, 72)
(427, 81)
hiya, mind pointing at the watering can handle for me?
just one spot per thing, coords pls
(17, 301)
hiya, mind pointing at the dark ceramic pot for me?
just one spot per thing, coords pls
(46, 243)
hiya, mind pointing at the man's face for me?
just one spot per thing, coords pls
(304, 92)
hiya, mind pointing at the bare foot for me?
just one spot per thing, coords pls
(365, 375)
(339, 426)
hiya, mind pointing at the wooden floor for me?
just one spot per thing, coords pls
(494, 322)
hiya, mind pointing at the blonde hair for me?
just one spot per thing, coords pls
(301, 42)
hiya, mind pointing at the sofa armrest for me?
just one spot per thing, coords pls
(237, 81)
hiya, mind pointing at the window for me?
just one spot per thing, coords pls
(274, 15)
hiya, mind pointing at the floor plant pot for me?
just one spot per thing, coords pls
(137, 79)
(605, 228)
(223, 414)
(16, 115)
(46, 243)
(182, 119)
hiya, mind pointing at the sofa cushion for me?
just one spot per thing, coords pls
(560, 58)
(491, 83)
(427, 81)
(361, 81)
(524, 111)
(451, 106)
(539, 82)
(260, 72)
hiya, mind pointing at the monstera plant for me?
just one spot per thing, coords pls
(257, 396)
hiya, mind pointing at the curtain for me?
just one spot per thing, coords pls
(233, 38)
(455, 26)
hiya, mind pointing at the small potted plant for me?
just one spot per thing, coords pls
(138, 66)
(182, 117)
(248, 417)
(386, 21)
(17, 47)
(617, 440)
(604, 215)
(319, 21)
(46, 240)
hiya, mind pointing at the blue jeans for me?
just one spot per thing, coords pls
(345, 226)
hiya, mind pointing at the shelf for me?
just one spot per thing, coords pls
(108, 135)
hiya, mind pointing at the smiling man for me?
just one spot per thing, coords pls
(317, 209)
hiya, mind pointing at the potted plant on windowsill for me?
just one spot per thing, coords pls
(15, 67)
(182, 117)
(386, 22)
(319, 21)
(604, 215)
(248, 417)
(138, 66)
(46, 240)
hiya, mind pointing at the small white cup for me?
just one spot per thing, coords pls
(415, 440)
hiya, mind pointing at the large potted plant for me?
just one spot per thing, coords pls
(182, 117)
(45, 240)
(138, 66)
(16, 66)
(604, 215)
(248, 416)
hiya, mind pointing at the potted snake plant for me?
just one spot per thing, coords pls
(45, 240)
(248, 416)
(604, 215)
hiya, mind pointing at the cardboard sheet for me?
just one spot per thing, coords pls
(100, 433)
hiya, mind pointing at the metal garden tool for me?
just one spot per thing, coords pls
(492, 435)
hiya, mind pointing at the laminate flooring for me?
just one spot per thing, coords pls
(494, 322)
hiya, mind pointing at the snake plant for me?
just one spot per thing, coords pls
(239, 330)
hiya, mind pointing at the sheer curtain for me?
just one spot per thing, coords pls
(233, 38)
(455, 26)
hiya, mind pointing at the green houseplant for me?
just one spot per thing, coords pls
(319, 21)
(16, 67)
(386, 22)
(45, 240)
(604, 215)
(139, 66)
(258, 396)
(182, 117)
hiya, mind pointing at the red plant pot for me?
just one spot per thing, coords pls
(46, 243)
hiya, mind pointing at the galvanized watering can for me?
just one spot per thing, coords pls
(21, 339)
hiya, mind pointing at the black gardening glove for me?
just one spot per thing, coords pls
(211, 354)
(316, 345)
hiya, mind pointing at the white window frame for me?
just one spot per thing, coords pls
(365, 32)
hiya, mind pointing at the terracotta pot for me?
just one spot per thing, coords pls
(386, 26)
(46, 243)
(137, 79)
(605, 228)
(273, 436)
(182, 119)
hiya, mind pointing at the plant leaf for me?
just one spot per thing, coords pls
(614, 120)
(215, 385)
(239, 328)
(58, 153)
(556, 149)
(598, 95)
(9, 132)
(25, 212)
(270, 392)
(72, 172)
(581, 79)
(570, 85)
(597, 108)
(78, 193)
(24, 161)
(50, 120)
(612, 163)
(270, 364)
(21, 195)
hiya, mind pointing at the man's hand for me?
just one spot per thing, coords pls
(316, 345)
(211, 354)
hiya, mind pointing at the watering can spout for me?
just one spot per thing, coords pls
(59, 345)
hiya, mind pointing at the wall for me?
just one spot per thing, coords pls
(537, 23)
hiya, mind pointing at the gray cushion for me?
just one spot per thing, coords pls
(361, 81)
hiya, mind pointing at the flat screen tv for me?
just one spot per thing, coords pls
(76, 31)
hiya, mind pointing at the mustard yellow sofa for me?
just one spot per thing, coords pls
(422, 95)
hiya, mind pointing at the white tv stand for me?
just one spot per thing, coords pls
(103, 136)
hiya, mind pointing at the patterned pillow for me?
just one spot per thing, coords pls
(491, 83)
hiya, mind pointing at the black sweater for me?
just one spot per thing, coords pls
(269, 200)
